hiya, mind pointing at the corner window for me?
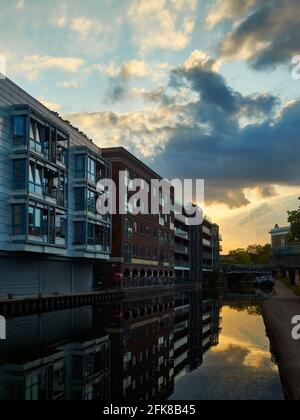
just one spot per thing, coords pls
(19, 129)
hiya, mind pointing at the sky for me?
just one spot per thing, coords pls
(195, 88)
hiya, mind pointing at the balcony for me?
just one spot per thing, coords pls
(181, 249)
(181, 234)
(286, 250)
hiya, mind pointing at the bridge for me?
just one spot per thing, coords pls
(257, 270)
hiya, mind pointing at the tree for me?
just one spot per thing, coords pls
(253, 255)
(294, 221)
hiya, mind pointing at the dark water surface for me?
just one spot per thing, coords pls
(186, 345)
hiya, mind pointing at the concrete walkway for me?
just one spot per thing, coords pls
(278, 312)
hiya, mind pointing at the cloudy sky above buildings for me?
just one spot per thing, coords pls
(197, 88)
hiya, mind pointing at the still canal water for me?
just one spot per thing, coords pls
(167, 346)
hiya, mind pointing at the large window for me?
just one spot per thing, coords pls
(61, 226)
(92, 199)
(35, 179)
(19, 219)
(92, 170)
(35, 222)
(19, 174)
(80, 204)
(80, 166)
(19, 123)
(36, 136)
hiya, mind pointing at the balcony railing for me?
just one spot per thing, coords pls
(181, 249)
(286, 250)
(181, 233)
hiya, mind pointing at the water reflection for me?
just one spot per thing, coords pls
(157, 347)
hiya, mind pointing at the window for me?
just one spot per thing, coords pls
(19, 123)
(80, 234)
(135, 227)
(80, 199)
(147, 231)
(19, 219)
(91, 234)
(127, 228)
(92, 199)
(19, 174)
(35, 179)
(143, 229)
(32, 388)
(35, 222)
(127, 252)
(61, 226)
(91, 170)
(80, 166)
(36, 136)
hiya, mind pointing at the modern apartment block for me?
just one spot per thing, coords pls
(217, 246)
(50, 232)
(207, 245)
(143, 244)
(182, 249)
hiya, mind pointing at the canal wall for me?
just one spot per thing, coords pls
(278, 312)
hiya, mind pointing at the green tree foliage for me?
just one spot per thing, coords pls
(253, 255)
(294, 221)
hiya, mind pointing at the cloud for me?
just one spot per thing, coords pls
(265, 35)
(120, 76)
(33, 65)
(20, 5)
(68, 84)
(199, 127)
(162, 24)
(53, 106)
(86, 27)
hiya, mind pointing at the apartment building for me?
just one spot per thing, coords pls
(182, 249)
(143, 244)
(207, 244)
(216, 246)
(50, 232)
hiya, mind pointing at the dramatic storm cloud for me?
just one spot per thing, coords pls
(266, 33)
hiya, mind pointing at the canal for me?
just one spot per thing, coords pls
(185, 345)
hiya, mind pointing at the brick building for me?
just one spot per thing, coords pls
(143, 244)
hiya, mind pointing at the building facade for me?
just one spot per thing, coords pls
(143, 244)
(216, 246)
(50, 232)
(182, 249)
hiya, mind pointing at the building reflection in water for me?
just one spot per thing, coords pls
(134, 350)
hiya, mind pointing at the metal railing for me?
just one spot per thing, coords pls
(286, 250)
